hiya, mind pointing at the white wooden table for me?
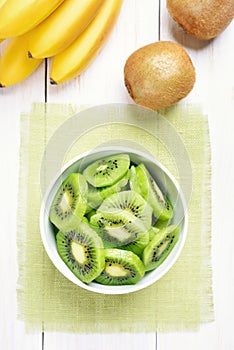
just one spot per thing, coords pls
(140, 23)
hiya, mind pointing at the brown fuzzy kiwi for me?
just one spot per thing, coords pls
(202, 19)
(159, 74)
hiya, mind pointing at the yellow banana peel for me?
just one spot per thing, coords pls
(2, 2)
(19, 16)
(62, 27)
(77, 57)
(15, 65)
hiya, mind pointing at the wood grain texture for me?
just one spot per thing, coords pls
(103, 341)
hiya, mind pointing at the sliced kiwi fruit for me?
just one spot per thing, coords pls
(128, 202)
(159, 224)
(117, 229)
(113, 222)
(152, 232)
(160, 247)
(90, 213)
(107, 171)
(85, 219)
(138, 245)
(97, 195)
(122, 267)
(151, 192)
(82, 251)
(133, 180)
(69, 204)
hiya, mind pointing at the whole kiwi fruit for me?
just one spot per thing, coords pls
(203, 19)
(159, 74)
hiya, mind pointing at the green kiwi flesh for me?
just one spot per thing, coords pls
(152, 232)
(117, 229)
(82, 251)
(160, 247)
(138, 245)
(90, 214)
(122, 267)
(129, 202)
(159, 224)
(69, 204)
(133, 180)
(107, 171)
(151, 192)
(97, 195)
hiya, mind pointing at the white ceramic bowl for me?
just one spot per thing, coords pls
(166, 181)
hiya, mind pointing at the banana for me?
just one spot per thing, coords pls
(77, 57)
(2, 2)
(19, 16)
(15, 65)
(62, 27)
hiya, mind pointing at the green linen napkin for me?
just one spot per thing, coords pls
(182, 299)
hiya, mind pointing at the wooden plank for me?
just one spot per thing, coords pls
(101, 341)
(214, 89)
(13, 101)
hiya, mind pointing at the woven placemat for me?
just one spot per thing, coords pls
(182, 299)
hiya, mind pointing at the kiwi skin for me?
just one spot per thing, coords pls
(203, 20)
(159, 75)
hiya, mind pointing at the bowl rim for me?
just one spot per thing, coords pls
(60, 265)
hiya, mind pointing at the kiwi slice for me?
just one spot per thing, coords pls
(90, 213)
(152, 232)
(129, 202)
(122, 267)
(117, 229)
(151, 192)
(69, 204)
(133, 180)
(162, 223)
(160, 247)
(85, 219)
(82, 251)
(108, 170)
(138, 245)
(97, 195)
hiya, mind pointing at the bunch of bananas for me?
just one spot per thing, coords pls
(71, 31)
